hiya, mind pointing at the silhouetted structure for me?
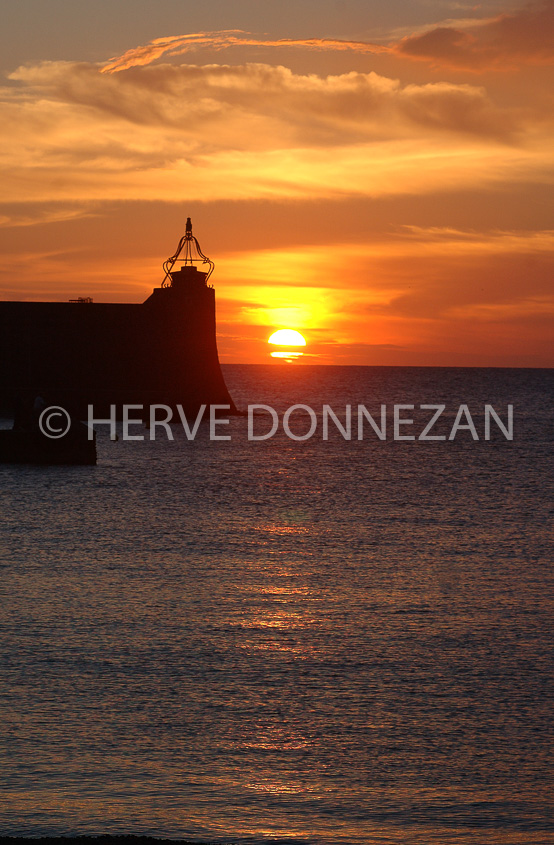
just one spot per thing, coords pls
(28, 445)
(80, 352)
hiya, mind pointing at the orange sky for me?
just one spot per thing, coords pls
(388, 196)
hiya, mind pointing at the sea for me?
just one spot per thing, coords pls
(303, 641)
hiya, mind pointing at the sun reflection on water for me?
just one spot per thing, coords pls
(287, 356)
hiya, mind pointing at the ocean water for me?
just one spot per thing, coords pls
(319, 641)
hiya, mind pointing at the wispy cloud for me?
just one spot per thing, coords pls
(178, 45)
(500, 43)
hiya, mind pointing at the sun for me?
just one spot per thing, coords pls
(291, 340)
(287, 337)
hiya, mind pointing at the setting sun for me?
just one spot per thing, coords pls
(287, 337)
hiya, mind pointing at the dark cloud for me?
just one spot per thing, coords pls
(502, 43)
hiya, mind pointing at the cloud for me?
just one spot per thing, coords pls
(105, 160)
(213, 132)
(259, 105)
(177, 45)
(23, 215)
(502, 43)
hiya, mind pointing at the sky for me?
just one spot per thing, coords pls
(376, 175)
